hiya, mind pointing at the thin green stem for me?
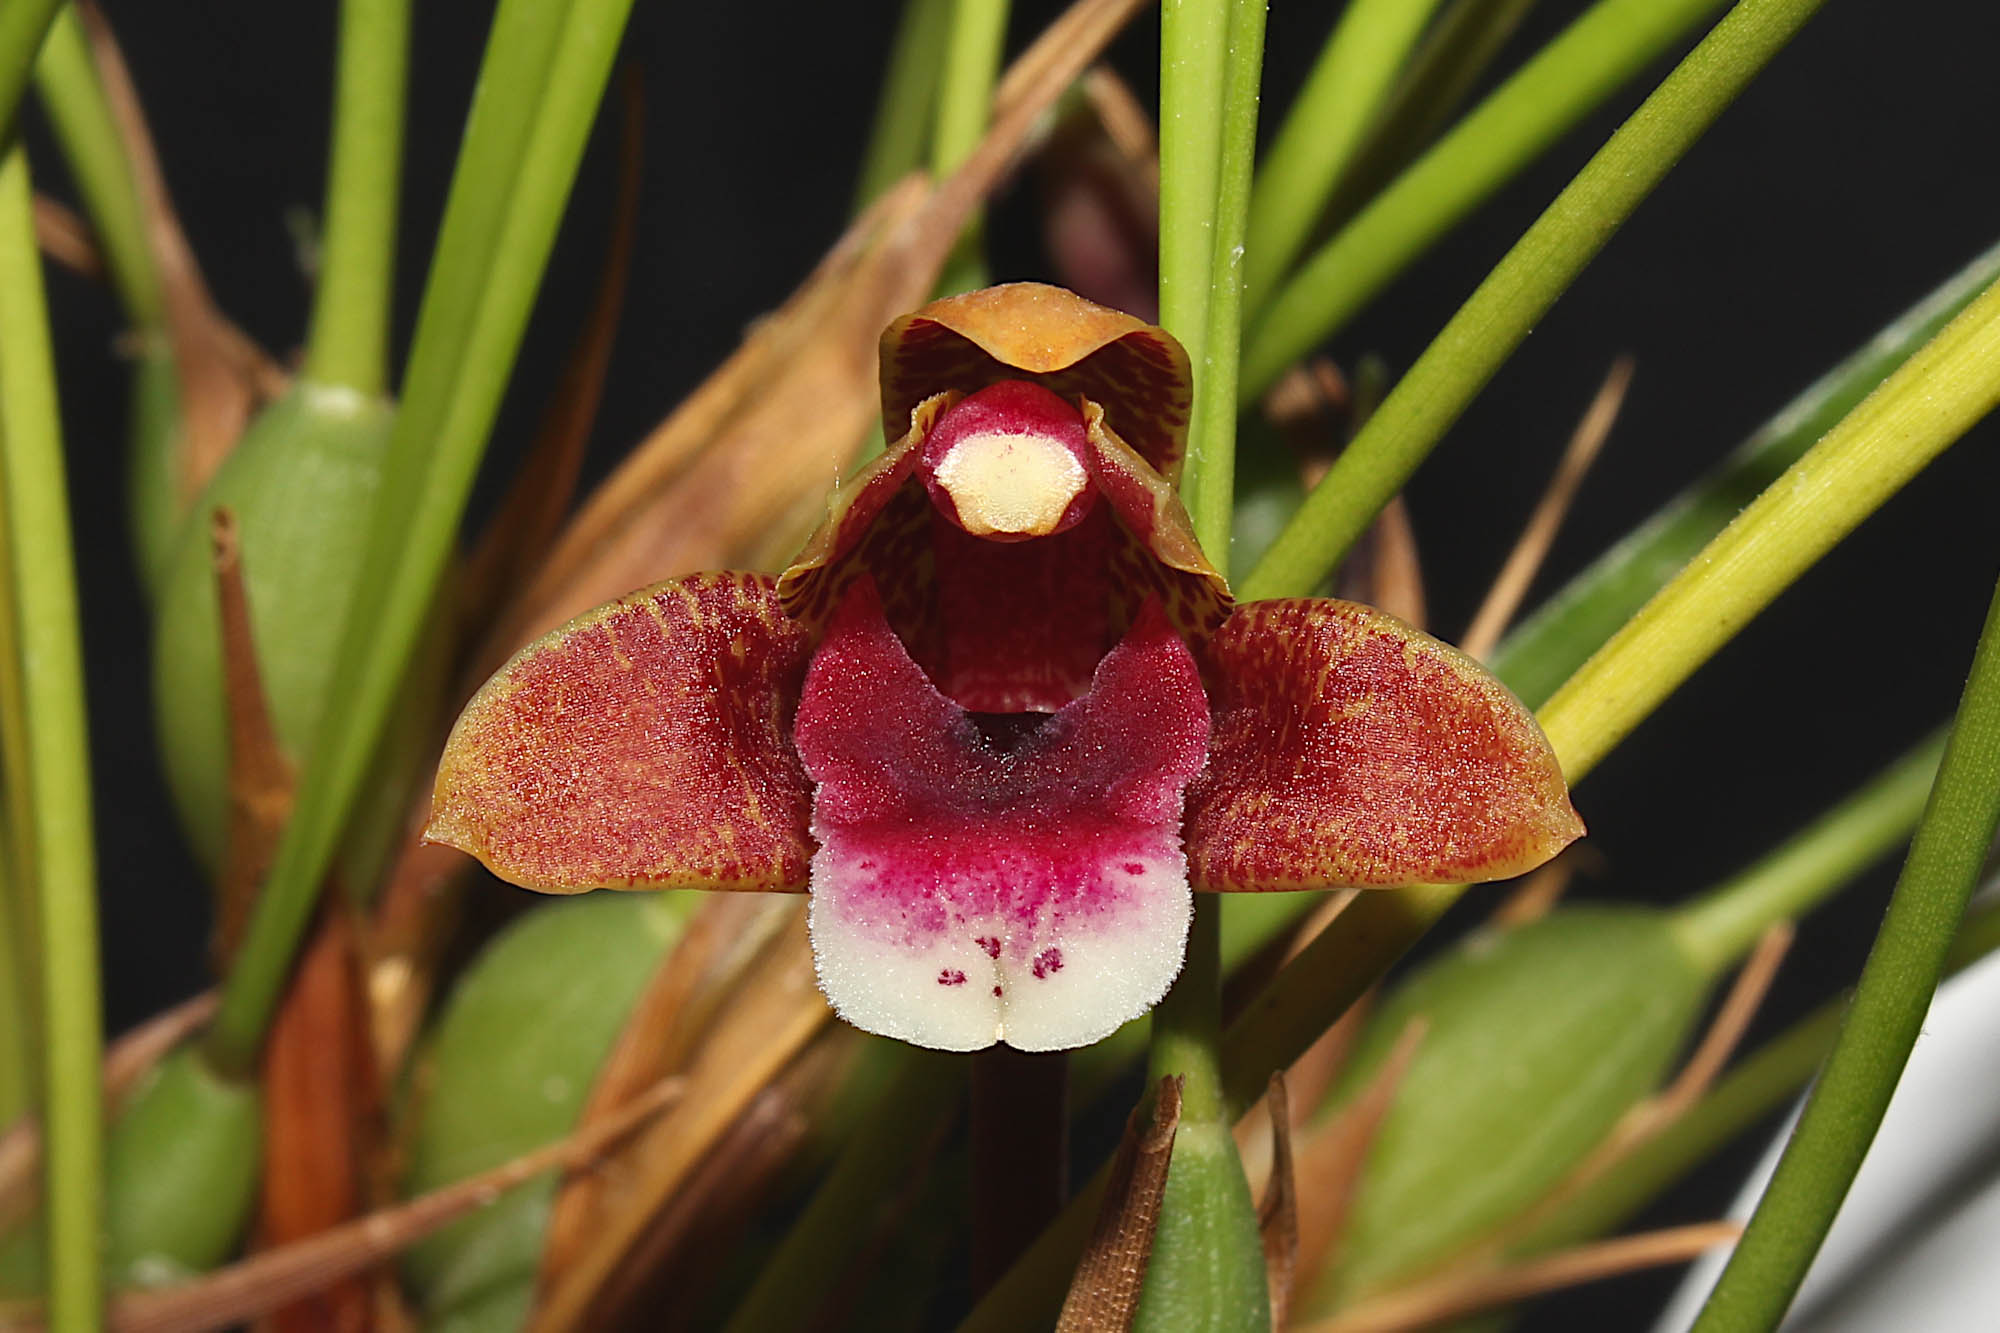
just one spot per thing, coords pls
(909, 92)
(1456, 52)
(1514, 297)
(16, 1010)
(1187, 1024)
(95, 151)
(1315, 146)
(971, 68)
(1210, 479)
(23, 25)
(1194, 45)
(350, 329)
(1931, 400)
(544, 72)
(58, 763)
(1547, 648)
(1846, 1105)
(1567, 80)
(1721, 925)
(973, 49)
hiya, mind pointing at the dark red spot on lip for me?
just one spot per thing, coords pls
(1047, 961)
(996, 992)
(1134, 868)
(990, 944)
(951, 976)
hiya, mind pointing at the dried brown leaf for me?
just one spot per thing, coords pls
(65, 237)
(254, 1286)
(774, 1012)
(1104, 1294)
(1328, 1164)
(260, 776)
(1503, 599)
(223, 375)
(1278, 1211)
(1458, 1294)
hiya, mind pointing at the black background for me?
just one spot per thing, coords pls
(1856, 174)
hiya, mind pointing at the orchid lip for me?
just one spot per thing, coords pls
(1014, 878)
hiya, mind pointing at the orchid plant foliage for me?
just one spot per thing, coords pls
(1000, 715)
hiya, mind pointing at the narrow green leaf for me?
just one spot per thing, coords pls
(1570, 77)
(544, 73)
(1846, 1105)
(23, 25)
(1493, 321)
(57, 834)
(903, 110)
(1546, 648)
(350, 329)
(88, 134)
(1321, 133)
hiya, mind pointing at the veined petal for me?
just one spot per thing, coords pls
(1352, 750)
(1055, 338)
(642, 745)
(1027, 887)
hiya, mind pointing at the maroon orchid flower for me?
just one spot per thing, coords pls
(1000, 714)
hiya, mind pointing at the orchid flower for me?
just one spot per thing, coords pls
(1000, 715)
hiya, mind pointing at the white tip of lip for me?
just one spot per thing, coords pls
(1011, 485)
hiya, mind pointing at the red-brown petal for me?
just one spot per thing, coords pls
(1352, 750)
(1028, 330)
(646, 744)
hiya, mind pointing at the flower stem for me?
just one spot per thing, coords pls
(1546, 98)
(23, 25)
(57, 835)
(1314, 147)
(1187, 1024)
(1513, 298)
(350, 329)
(544, 72)
(903, 110)
(95, 151)
(972, 54)
(1211, 475)
(1846, 1105)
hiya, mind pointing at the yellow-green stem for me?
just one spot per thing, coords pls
(350, 329)
(57, 775)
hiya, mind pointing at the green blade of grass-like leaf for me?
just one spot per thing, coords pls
(67, 81)
(1518, 292)
(1570, 77)
(1544, 650)
(348, 345)
(1846, 1104)
(545, 70)
(1315, 145)
(23, 25)
(57, 832)
(903, 110)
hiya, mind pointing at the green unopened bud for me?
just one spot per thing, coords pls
(302, 484)
(1539, 1039)
(507, 1069)
(1206, 1274)
(181, 1167)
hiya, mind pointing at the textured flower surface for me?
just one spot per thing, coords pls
(1000, 715)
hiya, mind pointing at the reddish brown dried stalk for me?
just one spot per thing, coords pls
(1104, 1294)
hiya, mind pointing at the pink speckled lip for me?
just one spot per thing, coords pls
(968, 889)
